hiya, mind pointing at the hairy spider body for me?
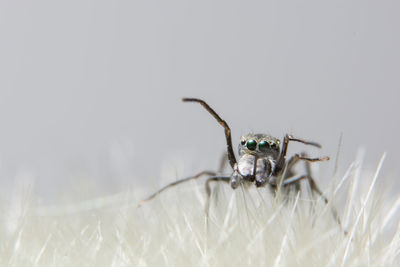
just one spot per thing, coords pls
(258, 154)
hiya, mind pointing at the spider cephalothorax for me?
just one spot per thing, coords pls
(258, 154)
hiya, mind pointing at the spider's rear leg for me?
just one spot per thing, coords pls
(222, 165)
(289, 180)
(225, 179)
(290, 177)
(208, 173)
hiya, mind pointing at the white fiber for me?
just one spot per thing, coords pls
(246, 227)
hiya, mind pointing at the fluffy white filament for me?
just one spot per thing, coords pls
(246, 227)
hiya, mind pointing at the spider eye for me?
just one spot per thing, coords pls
(251, 145)
(274, 146)
(263, 146)
(243, 141)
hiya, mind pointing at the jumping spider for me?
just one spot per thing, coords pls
(261, 160)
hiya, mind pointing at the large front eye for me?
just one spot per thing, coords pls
(251, 145)
(263, 146)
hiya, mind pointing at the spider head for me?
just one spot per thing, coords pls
(261, 145)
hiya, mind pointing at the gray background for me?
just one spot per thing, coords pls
(90, 90)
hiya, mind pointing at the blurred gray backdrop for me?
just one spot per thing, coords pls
(91, 89)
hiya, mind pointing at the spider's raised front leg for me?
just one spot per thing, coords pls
(228, 135)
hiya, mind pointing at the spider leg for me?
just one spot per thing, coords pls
(289, 172)
(295, 158)
(314, 188)
(282, 157)
(228, 135)
(209, 173)
(225, 179)
(294, 179)
(297, 178)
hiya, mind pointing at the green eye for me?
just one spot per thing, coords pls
(251, 145)
(263, 146)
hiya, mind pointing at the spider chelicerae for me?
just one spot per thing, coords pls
(262, 161)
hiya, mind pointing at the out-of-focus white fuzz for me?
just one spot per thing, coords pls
(246, 227)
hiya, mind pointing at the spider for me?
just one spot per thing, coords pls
(261, 161)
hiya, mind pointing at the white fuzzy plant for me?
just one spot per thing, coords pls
(246, 227)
